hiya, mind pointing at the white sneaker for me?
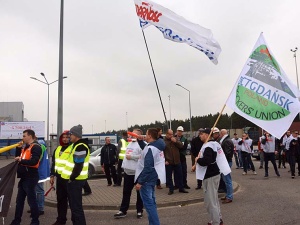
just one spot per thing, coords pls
(244, 173)
(254, 173)
(139, 215)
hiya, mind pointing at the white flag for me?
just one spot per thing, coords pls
(178, 29)
(263, 94)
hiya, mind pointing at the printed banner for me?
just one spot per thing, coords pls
(263, 94)
(178, 29)
(7, 182)
(14, 130)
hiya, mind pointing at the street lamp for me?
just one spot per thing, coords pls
(295, 56)
(189, 105)
(48, 84)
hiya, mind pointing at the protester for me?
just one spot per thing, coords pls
(158, 185)
(76, 173)
(237, 151)
(133, 153)
(173, 164)
(44, 175)
(228, 148)
(28, 163)
(108, 161)
(268, 143)
(59, 159)
(196, 145)
(122, 145)
(286, 142)
(294, 151)
(151, 166)
(246, 145)
(210, 173)
(179, 136)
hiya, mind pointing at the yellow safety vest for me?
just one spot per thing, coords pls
(67, 171)
(61, 160)
(123, 149)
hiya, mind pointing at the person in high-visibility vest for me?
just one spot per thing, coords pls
(59, 158)
(122, 146)
(29, 160)
(76, 173)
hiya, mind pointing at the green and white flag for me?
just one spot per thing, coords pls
(263, 94)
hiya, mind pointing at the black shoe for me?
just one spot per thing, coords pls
(183, 191)
(187, 187)
(266, 175)
(277, 173)
(86, 193)
(119, 215)
(198, 188)
(221, 191)
(260, 167)
(170, 192)
(175, 187)
(40, 213)
(117, 185)
(58, 223)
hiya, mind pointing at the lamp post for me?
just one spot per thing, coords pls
(48, 84)
(189, 105)
(295, 56)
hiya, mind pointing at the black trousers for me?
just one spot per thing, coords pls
(270, 157)
(62, 199)
(246, 159)
(127, 189)
(110, 172)
(75, 201)
(87, 188)
(119, 172)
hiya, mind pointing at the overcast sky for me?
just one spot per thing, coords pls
(107, 65)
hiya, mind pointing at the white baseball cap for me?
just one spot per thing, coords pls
(216, 130)
(180, 128)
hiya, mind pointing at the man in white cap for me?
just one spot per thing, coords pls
(76, 172)
(184, 141)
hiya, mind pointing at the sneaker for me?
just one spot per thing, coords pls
(293, 177)
(244, 173)
(139, 215)
(198, 188)
(119, 215)
(254, 173)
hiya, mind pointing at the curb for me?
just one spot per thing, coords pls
(236, 186)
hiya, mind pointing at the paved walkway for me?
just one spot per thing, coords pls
(109, 198)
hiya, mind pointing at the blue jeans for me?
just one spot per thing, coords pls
(228, 183)
(75, 201)
(40, 198)
(148, 196)
(26, 188)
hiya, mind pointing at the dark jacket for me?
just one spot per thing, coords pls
(228, 148)
(108, 154)
(79, 158)
(149, 173)
(182, 150)
(209, 160)
(172, 151)
(24, 171)
(196, 145)
(295, 147)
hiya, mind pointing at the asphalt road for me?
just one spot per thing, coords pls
(258, 201)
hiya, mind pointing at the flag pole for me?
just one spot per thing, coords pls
(162, 106)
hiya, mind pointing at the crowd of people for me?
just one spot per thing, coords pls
(144, 162)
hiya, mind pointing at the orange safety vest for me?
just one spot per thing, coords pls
(27, 156)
